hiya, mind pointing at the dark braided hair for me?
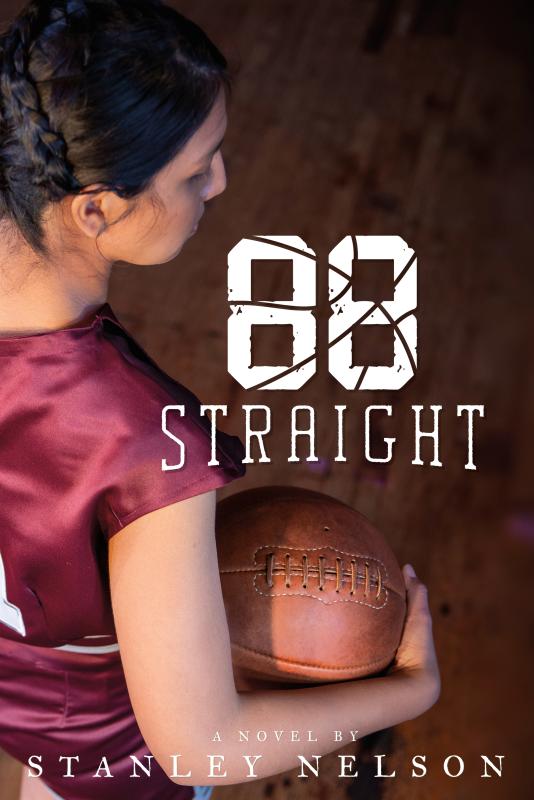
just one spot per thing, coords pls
(96, 92)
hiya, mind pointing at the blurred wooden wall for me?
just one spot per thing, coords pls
(408, 117)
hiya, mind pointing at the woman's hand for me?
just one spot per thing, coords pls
(416, 655)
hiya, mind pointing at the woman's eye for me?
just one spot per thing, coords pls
(200, 176)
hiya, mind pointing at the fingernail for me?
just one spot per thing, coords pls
(410, 570)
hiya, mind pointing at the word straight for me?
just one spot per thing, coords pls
(304, 426)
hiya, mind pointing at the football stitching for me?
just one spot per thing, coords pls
(328, 602)
(320, 599)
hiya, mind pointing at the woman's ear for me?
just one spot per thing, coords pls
(93, 212)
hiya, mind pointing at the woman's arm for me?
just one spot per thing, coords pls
(175, 648)
(10, 776)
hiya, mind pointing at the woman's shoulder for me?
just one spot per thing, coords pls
(97, 362)
(127, 379)
(161, 447)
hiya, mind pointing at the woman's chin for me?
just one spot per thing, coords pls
(175, 252)
(150, 258)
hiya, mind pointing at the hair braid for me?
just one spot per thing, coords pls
(46, 148)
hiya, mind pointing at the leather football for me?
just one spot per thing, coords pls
(313, 593)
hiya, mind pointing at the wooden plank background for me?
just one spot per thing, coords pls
(409, 117)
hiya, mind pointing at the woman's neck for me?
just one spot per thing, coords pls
(42, 297)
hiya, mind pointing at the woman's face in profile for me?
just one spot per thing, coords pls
(154, 234)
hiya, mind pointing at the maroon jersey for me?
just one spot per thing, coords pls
(56, 703)
(81, 451)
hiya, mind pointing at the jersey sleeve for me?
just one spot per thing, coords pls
(136, 482)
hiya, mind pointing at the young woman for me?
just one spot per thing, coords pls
(112, 118)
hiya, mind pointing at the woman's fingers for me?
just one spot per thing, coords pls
(416, 648)
(417, 596)
(416, 654)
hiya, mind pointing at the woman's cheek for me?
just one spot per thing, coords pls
(167, 237)
(170, 225)
(194, 212)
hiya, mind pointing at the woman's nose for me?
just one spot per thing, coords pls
(217, 185)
